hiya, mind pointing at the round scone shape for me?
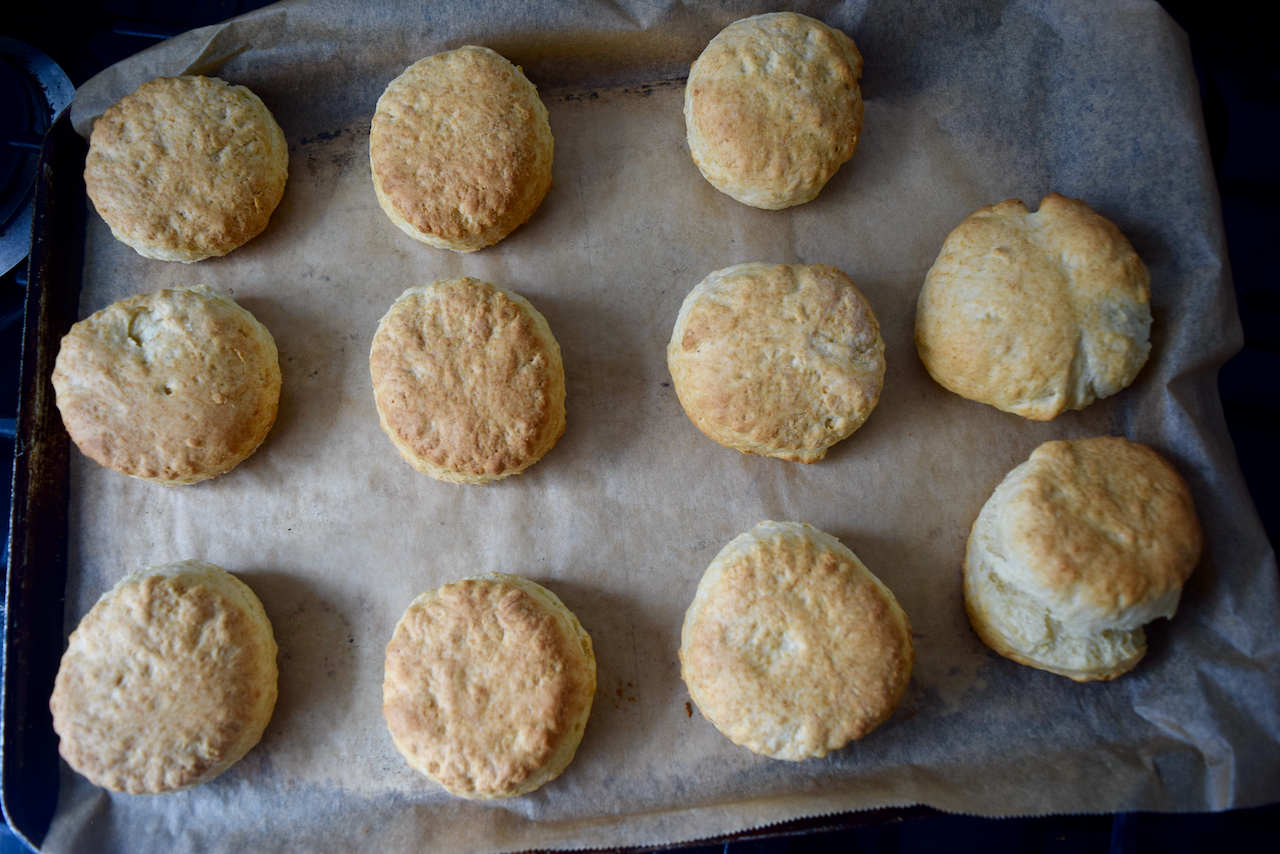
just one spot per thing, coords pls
(1075, 550)
(488, 687)
(186, 168)
(176, 386)
(772, 108)
(168, 681)
(1035, 313)
(468, 381)
(461, 149)
(781, 360)
(791, 647)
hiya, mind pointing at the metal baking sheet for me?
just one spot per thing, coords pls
(965, 106)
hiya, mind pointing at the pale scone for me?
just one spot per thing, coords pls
(176, 386)
(186, 168)
(488, 687)
(167, 682)
(781, 360)
(773, 108)
(1075, 550)
(792, 648)
(461, 149)
(468, 381)
(1035, 313)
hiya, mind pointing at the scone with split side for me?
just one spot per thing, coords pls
(773, 108)
(167, 682)
(488, 687)
(780, 360)
(176, 386)
(461, 149)
(468, 381)
(792, 648)
(186, 168)
(1035, 313)
(1075, 550)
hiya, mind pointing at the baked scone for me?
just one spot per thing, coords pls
(186, 168)
(792, 648)
(468, 381)
(489, 683)
(176, 386)
(1075, 550)
(772, 108)
(461, 149)
(167, 682)
(781, 360)
(1035, 313)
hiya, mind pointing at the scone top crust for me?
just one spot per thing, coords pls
(1101, 530)
(468, 380)
(773, 108)
(489, 683)
(461, 149)
(779, 360)
(1035, 313)
(176, 386)
(167, 681)
(186, 168)
(791, 647)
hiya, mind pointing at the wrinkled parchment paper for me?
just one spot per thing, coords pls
(966, 105)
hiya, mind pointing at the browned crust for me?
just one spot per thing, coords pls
(489, 683)
(468, 381)
(176, 386)
(773, 108)
(1075, 550)
(776, 359)
(792, 648)
(1104, 523)
(186, 168)
(166, 682)
(461, 149)
(1035, 314)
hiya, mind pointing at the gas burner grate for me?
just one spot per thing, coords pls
(33, 91)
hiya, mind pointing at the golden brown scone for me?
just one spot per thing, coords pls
(772, 108)
(167, 682)
(781, 360)
(488, 687)
(176, 386)
(1075, 550)
(468, 381)
(186, 168)
(1035, 313)
(792, 648)
(461, 149)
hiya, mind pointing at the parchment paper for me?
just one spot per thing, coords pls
(966, 105)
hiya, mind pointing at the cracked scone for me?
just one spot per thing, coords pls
(175, 386)
(791, 647)
(168, 681)
(488, 685)
(1035, 313)
(772, 108)
(186, 168)
(1075, 550)
(468, 381)
(461, 149)
(781, 360)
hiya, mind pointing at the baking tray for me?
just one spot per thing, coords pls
(36, 576)
(44, 510)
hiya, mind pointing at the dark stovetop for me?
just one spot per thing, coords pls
(1240, 90)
